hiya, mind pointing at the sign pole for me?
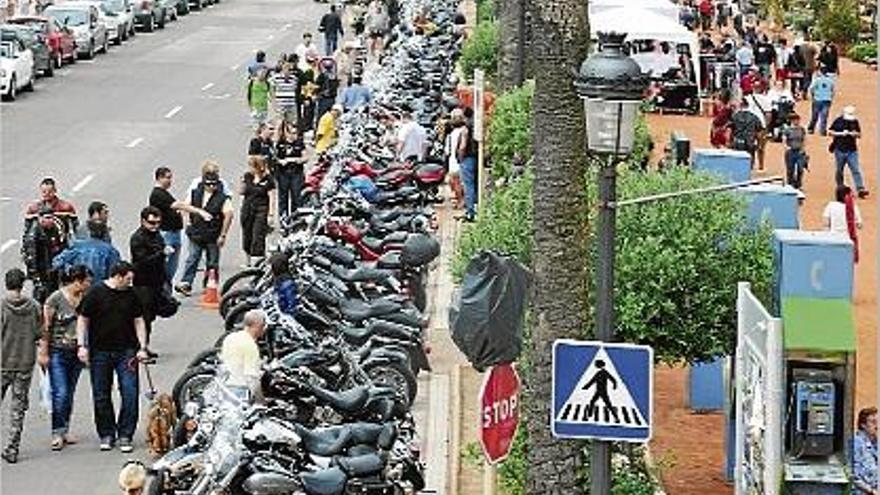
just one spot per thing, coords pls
(479, 119)
(489, 478)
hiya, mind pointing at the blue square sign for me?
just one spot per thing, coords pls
(602, 391)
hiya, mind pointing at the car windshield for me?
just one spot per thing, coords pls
(37, 26)
(6, 50)
(113, 5)
(75, 17)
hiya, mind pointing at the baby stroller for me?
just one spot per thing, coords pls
(780, 119)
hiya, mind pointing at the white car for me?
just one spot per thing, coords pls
(120, 13)
(16, 69)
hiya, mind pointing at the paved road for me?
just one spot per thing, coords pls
(171, 98)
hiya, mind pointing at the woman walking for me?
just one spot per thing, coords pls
(722, 111)
(842, 215)
(59, 344)
(257, 189)
(453, 163)
(290, 154)
(258, 97)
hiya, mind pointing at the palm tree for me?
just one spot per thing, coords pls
(559, 37)
(511, 43)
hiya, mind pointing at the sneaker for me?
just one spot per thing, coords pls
(57, 443)
(10, 457)
(184, 289)
(152, 354)
(864, 193)
(125, 445)
(106, 444)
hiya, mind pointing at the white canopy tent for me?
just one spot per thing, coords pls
(665, 8)
(642, 24)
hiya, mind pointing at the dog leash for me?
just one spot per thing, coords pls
(151, 393)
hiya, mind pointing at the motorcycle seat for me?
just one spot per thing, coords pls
(349, 401)
(357, 311)
(362, 465)
(325, 482)
(390, 261)
(360, 274)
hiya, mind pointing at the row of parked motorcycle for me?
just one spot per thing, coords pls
(340, 364)
(36, 45)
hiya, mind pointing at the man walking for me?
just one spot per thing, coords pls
(356, 95)
(467, 156)
(412, 139)
(21, 329)
(846, 131)
(331, 26)
(284, 93)
(95, 253)
(148, 252)
(822, 92)
(745, 126)
(796, 159)
(171, 220)
(112, 338)
(206, 236)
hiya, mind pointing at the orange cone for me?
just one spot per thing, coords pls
(211, 297)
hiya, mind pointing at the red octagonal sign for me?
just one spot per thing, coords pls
(499, 411)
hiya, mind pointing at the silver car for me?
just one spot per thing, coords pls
(120, 14)
(84, 19)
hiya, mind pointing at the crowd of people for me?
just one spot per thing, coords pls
(92, 307)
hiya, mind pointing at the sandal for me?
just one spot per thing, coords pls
(57, 443)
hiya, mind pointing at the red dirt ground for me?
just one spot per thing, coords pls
(694, 443)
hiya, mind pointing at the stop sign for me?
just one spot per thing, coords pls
(499, 411)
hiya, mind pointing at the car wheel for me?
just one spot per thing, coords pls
(59, 60)
(13, 90)
(119, 37)
(29, 87)
(162, 21)
(150, 25)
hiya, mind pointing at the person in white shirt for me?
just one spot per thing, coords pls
(240, 355)
(835, 212)
(760, 105)
(304, 49)
(412, 138)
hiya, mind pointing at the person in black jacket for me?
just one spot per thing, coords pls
(206, 236)
(261, 144)
(331, 26)
(148, 252)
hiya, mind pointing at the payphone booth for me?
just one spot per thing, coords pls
(820, 353)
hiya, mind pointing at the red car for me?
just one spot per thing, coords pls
(62, 44)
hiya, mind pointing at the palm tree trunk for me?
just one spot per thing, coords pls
(511, 39)
(560, 309)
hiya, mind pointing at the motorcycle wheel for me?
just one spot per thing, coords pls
(396, 376)
(233, 298)
(206, 357)
(191, 384)
(236, 315)
(245, 277)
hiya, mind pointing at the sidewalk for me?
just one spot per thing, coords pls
(694, 443)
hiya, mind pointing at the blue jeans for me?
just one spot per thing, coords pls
(820, 114)
(330, 44)
(212, 259)
(102, 366)
(64, 370)
(795, 163)
(172, 238)
(469, 181)
(851, 158)
(289, 181)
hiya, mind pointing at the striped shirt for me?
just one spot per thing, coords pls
(285, 91)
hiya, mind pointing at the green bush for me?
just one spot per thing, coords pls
(481, 51)
(863, 52)
(509, 129)
(485, 11)
(800, 21)
(839, 22)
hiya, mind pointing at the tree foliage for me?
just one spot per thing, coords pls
(480, 51)
(508, 134)
(839, 22)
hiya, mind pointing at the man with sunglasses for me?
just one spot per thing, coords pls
(206, 236)
(148, 252)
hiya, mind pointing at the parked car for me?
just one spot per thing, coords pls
(62, 44)
(171, 8)
(34, 42)
(121, 11)
(85, 21)
(149, 14)
(16, 69)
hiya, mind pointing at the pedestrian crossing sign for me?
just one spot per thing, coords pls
(602, 391)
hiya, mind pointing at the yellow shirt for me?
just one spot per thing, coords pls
(241, 357)
(326, 134)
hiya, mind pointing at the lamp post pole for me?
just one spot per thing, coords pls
(611, 85)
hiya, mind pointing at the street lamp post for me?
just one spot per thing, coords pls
(611, 85)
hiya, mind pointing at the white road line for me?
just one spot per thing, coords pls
(8, 244)
(286, 27)
(235, 67)
(207, 86)
(224, 96)
(270, 37)
(83, 183)
(4, 199)
(173, 112)
(135, 142)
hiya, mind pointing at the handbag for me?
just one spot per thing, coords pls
(166, 304)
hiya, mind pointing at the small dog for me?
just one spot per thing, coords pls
(160, 425)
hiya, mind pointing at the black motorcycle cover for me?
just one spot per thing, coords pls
(486, 315)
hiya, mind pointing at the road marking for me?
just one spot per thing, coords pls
(135, 142)
(286, 27)
(207, 86)
(173, 112)
(220, 97)
(92, 61)
(235, 67)
(81, 184)
(270, 37)
(8, 244)
(4, 199)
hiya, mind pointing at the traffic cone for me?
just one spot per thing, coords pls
(211, 297)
